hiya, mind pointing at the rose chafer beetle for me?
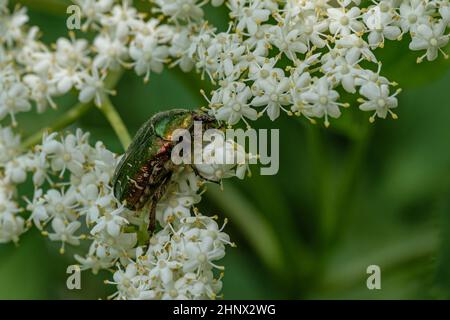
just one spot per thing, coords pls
(144, 172)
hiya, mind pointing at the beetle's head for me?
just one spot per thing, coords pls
(165, 123)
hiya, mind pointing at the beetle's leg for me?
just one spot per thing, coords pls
(152, 214)
(204, 117)
(157, 195)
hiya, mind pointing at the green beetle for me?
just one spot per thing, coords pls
(144, 171)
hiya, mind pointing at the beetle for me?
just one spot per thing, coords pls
(144, 172)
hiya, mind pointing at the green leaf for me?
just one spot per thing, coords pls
(252, 225)
(24, 270)
(400, 65)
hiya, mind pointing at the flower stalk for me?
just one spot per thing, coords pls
(64, 121)
(71, 116)
(116, 122)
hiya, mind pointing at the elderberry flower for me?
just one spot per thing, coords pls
(181, 10)
(250, 53)
(292, 56)
(236, 105)
(13, 99)
(148, 56)
(185, 248)
(430, 38)
(9, 145)
(379, 100)
(272, 93)
(323, 101)
(64, 232)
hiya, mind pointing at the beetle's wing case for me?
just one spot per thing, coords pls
(136, 154)
(129, 180)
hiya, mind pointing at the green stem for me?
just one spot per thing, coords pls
(333, 200)
(67, 119)
(320, 172)
(344, 193)
(72, 115)
(253, 226)
(115, 121)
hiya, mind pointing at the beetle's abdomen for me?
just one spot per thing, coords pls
(140, 172)
(137, 191)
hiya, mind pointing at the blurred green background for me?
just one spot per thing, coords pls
(345, 198)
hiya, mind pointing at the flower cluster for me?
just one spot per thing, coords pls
(292, 56)
(72, 192)
(296, 56)
(71, 178)
(180, 258)
(32, 72)
(12, 225)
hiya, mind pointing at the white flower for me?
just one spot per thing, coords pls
(230, 58)
(94, 263)
(323, 100)
(60, 204)
(64, 155)
(380, 21)
(379, 100)
(123, 18)
(15, 171)
(11, 224)
(93, 87)
(288, 41)
(272, 93)
(430, 38)
(235, 104)
(184, 10)
(179, 50)
(261, 69)
(42, 90)
(174, 207)
(200, 254)
(313, 30)
(412, 13)
(111, 222)
(148, 56)
(222, 159)
(39, 165)
(356, 47)
(39, 214)
(9, 144)
(248, 14)
(112, 53)
(13, 99)
(343, 21)
(93, 10)
(164, 269)
(346, 71)
(11, 26)
(300, 83)
(444, 11)
(72, 52)
(64, 232)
